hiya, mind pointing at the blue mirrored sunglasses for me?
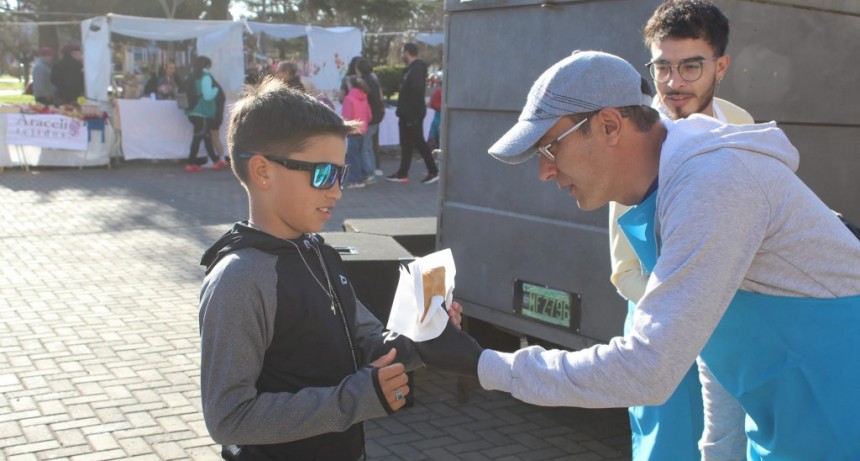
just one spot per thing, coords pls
(323, 174)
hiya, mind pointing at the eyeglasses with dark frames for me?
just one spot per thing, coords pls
(323, 174)
(689, 69)
(544, 150)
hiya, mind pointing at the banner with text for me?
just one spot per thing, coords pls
(48, 130)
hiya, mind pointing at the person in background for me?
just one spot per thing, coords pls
(687, 40)
(374, 96)
(68, 75)
(202, 116)
(356, 108)
(43, 90)
(215, 127)
(411, 110)
(350, 71)
(436, 105)
(288, 72)
(165, 84)
(752, 275)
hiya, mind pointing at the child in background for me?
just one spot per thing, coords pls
(356, 108)
(292, 363)
(436, 105)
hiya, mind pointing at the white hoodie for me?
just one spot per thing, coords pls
(731, 215)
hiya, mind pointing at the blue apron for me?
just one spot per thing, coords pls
(792, 363)
(670, 431)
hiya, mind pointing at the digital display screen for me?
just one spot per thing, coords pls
(545, 304)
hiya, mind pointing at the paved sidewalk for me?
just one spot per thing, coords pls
(99, 355)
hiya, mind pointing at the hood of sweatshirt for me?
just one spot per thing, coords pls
(701, 135)
(357, 94)
(242, 236)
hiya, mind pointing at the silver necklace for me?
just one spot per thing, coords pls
(330, 291)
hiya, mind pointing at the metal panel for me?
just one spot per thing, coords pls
(830, 164)
(793, 65)
(493, 249)
(493, 56)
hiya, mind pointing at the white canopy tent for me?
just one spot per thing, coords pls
(329, 49)
(431, 38)
(219, 40)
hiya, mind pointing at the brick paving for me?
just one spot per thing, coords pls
(99, 354)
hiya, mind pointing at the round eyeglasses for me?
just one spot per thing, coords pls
(689, 69)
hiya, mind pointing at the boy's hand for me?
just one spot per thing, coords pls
(455, 313)
(392, 380)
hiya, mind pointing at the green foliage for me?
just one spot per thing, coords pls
(389, 78)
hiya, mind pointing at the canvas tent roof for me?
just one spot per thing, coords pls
(219, 40)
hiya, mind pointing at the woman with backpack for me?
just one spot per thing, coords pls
(202, 92)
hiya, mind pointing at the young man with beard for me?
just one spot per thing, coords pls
(687, 40)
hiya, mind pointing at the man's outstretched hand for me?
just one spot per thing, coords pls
(453, 351)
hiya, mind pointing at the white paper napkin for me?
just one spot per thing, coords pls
(408, 305)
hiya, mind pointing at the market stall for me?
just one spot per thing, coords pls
(159, 129)
(221, 41)
(29, 138)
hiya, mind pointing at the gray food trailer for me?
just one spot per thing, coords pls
(528, 261)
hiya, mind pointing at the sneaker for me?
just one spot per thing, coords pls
(370, 180)
(193, 168)
(379, 173)
(395, 178)
(355, 185)
(430, 179)
(220, 165)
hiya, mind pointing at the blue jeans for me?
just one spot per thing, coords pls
(353, 158)
(367, 154)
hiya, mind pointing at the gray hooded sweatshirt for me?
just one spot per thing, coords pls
(731, 215)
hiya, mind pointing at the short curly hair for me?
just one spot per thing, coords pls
(696, 19)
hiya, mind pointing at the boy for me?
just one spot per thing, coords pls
(291, 361)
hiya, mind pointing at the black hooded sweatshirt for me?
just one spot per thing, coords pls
(283, 374)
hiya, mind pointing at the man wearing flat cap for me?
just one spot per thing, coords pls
(752, 275)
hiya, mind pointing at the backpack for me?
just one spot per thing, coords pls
(186, 94)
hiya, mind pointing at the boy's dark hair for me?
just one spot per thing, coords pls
(273, 118)
(411, 48)
(351, 67)
(688, 19)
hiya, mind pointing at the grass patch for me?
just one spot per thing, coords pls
(16, 99)
(8, 83)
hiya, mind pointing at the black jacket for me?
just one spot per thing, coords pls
(411, 105)
(311, 346)
(68, 76)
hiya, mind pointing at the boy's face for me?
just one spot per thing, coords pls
(298, 207)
